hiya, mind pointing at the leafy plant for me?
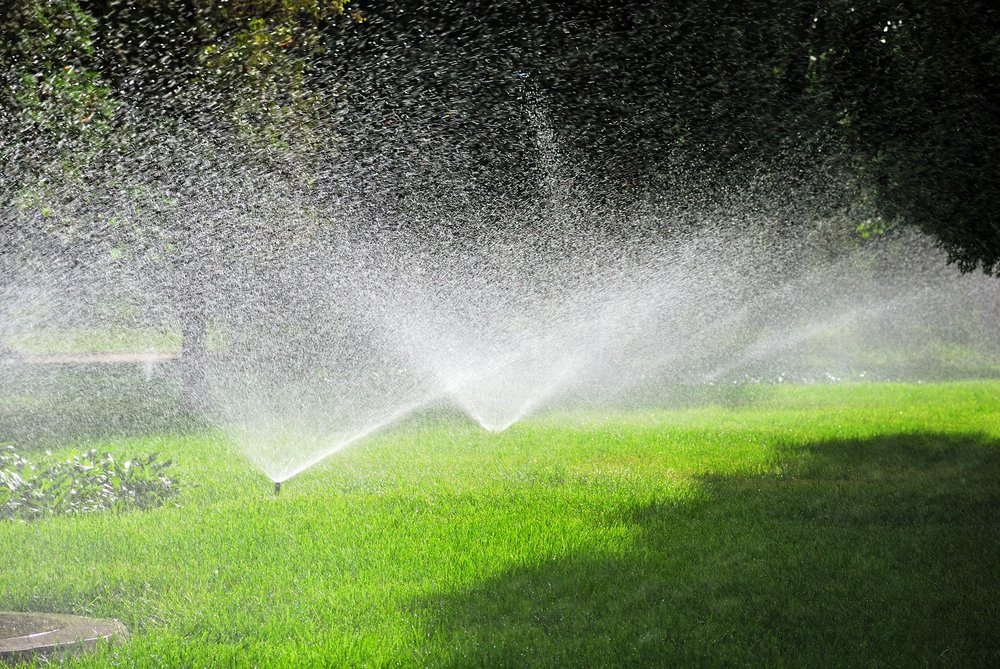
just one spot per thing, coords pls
(83, 483)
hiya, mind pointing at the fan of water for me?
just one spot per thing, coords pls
(331, 319)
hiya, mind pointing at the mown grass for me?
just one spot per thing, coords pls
(94, 340)
(840, 525)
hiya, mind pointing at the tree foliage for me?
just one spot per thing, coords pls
(158, 93)
(914, 88)
(139, 130)
(51, 86)
(902, 93)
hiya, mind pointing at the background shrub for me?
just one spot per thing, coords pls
(83, 483)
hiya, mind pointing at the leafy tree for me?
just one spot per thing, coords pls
(914, 88)
(55, 113)
(183, 106)
(901, 93)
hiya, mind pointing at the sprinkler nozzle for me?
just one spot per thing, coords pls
(277, 487)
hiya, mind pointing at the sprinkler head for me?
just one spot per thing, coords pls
(277, 487)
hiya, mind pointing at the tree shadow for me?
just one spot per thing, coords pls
(855, 552)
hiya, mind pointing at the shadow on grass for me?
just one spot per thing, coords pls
(857, 552)
(51, 406)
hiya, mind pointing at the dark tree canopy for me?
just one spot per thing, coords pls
(902, 93)
(915, 89)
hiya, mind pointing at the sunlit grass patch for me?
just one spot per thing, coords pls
(843, 525)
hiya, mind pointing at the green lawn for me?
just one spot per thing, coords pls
(94, 340)
(839, 525)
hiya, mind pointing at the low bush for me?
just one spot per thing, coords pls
(83, 483)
